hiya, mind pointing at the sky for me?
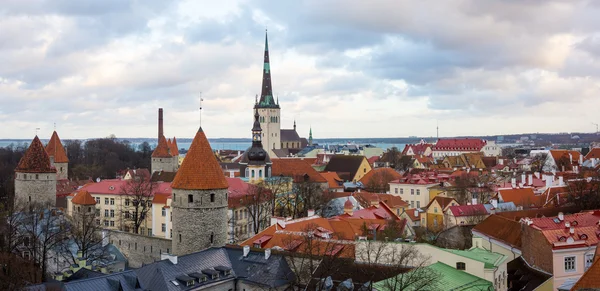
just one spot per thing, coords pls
(346, 68)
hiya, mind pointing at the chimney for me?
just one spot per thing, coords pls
(416, 213)
(572, 230)
(580, 159)
(247, 251)
(561, 181)
(537, 174)
(495, 203)
(524, 179)
(513, 182)
(160, 122)
(267, 254)
(311, 212)
(567, 224)
(474, 201)
(561, 216)
(170, 257)
(571, 158)
(530, 182)
(501, 161)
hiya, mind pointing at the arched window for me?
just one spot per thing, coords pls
(247, 173)
(252, 173)
(268, 172)
(260, 173)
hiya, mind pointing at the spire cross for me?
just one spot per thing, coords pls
(201, 99)
(36, 130)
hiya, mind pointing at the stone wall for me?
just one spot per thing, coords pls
(62, 171)
(138, 249)
(36, 187)
(199, 224)
(536, 249)
(165, 164)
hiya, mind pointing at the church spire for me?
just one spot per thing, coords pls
(310, 140)
(266, 95)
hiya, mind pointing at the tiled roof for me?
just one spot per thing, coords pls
(411, 213)
(500, 228)
(590, 280)
(333, 180)
(55, 148)
(466, 144)
(200, 169)
(381, 176)
(84, 197)
(490, 259)
(418, 149)
(162, 149)
(174, 147)
(140, 173)
(381, 211)
(35, 159)
(289, 135)
(65, 187)
(521, 197)
(161, 198)
(468, 210)
(296, 168)
(593, 154)
(114, 186)
(539, 212)
(389, 199)
(162, 176)
(345, 165)
(373, 159)
(442, 201)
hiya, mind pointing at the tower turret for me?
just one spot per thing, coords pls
(35, 178)
(310, 140)
(58, 157)
(255, 164)
(199, 200)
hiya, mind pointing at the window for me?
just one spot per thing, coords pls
(78, 208)
(260, 173)
(401, 190)
(180, 237)
(418, 204)
(252, 173)
(126, 202)
(149, 203)
(89, 209)
(412, 191)
(435, 223)
(105, 212)
(589, 259)
(418, 191)
(112, 213)
(97, 200)
(37, 176)
(212, 197)
(112, 223)
(163, 227)
(212, 237)
(236, 215)
(97, 212)
(190, 198)
(570, 264)
(461, 266)
(106, 223)
(396, 190)
(164, 212)
(149, 231)
(97, 221)
(105, 201)
(127, 214)
(112, 201)
(435, 210)
(412, 204)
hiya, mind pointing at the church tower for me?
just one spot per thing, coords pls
(165, 156)
(268, 109)
(199, 200)
(35, 178)
(255, 164)
(58, 157)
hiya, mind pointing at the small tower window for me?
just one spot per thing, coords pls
(180, 237)
(190, 198)
(37, 176)
(212, 237)
(212, 197)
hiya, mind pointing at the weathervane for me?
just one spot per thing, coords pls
(201, 99)
(36, 130)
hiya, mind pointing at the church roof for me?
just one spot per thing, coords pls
(162, 149)
(84, 197)
(289, 135)
(174, 147)
(35, 159)
(200, 169)
(55, 149)
(266, 96)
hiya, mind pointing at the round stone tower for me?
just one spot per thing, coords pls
(199, 200)
(35, 178)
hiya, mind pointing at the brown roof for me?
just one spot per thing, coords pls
(162, 149)
(593, 154)
(381, 176)
(84, 197)
(521, 197)
(55, 149)
(500, 228)
(296, 168)
(35, 159)
(200, 169)
(442, 201)
(332, 179)
(174, 147)
(162, 176)
(345, 165)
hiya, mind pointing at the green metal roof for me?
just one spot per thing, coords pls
(490, 259)
(449, 279)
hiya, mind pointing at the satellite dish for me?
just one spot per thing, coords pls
(98, 180)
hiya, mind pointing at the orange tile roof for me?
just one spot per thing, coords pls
(200, 169)
(84, 197)
(332, 179)
(383, 175)
(501, 228)
(296, 168)
(174, 147)
(521, 197)
(442, 201)
(593, 154)
(162, 149)
(590, 280)
(161, 198)
(55, 149)
(35, 159)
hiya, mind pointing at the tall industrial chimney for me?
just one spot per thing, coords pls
(160, 122)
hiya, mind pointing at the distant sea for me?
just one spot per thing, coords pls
(230, 144)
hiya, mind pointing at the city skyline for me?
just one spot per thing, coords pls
(388, 70)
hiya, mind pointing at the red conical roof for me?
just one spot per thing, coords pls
(84, 197)
(348, 204)
(200, 169)
(35, 160)
(55, 149)
(162, 149)
(174, 149)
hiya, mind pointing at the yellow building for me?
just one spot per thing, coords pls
(349, 167)
(435, 212)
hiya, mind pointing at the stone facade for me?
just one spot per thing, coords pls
(32, 187)
(535, 249)
(62, 169)
(165, 164)
(199, 220)
(271, 129)
(138, 249)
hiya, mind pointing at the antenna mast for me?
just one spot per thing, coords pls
(201, 99)
(36, 130)
(596, 124)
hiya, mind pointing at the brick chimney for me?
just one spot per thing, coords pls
(160, 122)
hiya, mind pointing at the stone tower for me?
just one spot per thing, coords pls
(165, 156)
(84, 205)
(255, 164)
(58, 157)
(268, 109)
(199, 200)
(35, 178)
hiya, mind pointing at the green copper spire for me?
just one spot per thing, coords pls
(310, 140)
(266, 95)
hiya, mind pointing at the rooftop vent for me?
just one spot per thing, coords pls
(211, 273)
(226, 270)
(200, 277)
(187, 280)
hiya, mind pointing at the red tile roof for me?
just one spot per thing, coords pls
(174, 147)
(35, 159)
(114, 187)
(590, 280)
(411, 213)
(442, 201)
(162, 149)
(296, 168)
(501, 228)
(161, 198)
(557, 232)
(380, 176)
(200, 169)
(381, 211)
(55, 149)
(593, 154)
(466, 144)
(373, 159)
(83, 197)
(417, 149)
(521, 197)
(468, 210)
(333, 180)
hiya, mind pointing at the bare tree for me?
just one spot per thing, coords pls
(85, 233)
(468, 186)
(379, 182)
(584, 191)
(277, 185)
(258, 204)
(138, 194)
(538, 161)
(305, 195)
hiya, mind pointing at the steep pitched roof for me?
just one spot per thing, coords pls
(200, 169)
(35, 159)
(174, 148)
(442, 201)
(593, 154)
(468, 210)
(83, 197)
(266, 95)
(462, 144)
(333, 180)
(162, 176)
(296, 168)
(55, 149)
(162, 149)
(500, 228)
(344, 164)
(590, 280)
(381, 176)
(289, 135)
(521, 196)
